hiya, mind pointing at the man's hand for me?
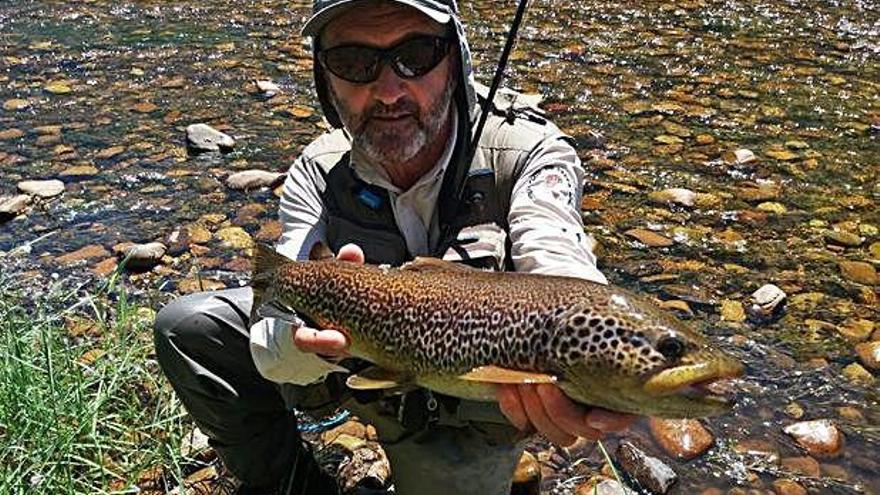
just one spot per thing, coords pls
(330, 343)
(546, 409)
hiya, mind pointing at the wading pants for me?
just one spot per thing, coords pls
(202, 345)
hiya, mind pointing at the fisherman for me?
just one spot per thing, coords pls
(390, 182)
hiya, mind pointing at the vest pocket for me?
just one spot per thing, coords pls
(479, 246)
(380, 246)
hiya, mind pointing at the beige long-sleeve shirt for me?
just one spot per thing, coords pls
(546, 232)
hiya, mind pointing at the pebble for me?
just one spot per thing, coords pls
(198, 233)
(194, 443)
(859, 271)
(12, 206)
(772, 207)
(788, 487)
(805, 466)
(79, 171)
(758, 448)
(869, 354)
(754, 194)
(684, 197)
(140, 257)
(527, 477)
(843, 238)
(739, 157)
(367, 467)
(8, 134)
(781, 155)
(705, 139)
(650, 239)
(874, 249)
(15, 104)
(269, 232)
(268, 88)
(857, 374)
(681, 438)
(192, 285)
(253, 179)
(766, 303)
(89, 252)
(235, 238)
(109, 152)
(603, 487)
(650, 472)
(820, 438)
(202, 137)
(41, 188)
(145, 107)
(57, 88)
(850, 413)
(732, 311)
(856, 329)
(105, 267)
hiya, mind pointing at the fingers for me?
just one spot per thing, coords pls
(351, 252)
(325, 342)
(567, 415)
(512, 407)
(608, 421)
(538, 416)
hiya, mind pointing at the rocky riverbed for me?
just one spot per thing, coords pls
(732, 151)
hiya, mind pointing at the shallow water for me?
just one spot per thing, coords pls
(672, 86)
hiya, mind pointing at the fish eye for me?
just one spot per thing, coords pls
(671, 347)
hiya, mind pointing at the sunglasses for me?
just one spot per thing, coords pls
(411, 58)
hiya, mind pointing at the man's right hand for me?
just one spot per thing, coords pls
(328, 343)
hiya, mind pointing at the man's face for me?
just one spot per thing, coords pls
(391, 119)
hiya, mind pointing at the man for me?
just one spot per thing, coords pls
(389, 183)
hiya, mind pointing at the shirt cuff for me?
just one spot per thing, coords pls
(279, 360)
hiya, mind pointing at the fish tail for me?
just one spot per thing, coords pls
(266, 260)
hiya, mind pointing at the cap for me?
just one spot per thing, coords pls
(324, 10)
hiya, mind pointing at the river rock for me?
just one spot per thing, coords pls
(856, 329)
(12, 206)
(268, 88)
(869, 354)
(235, 238)
(527, 477)
(684, 197)
(83, 254)
(732, 311)
(681, 438)
(269, 232)
(804, 466)
(788, 487)
(766, 304)
(857, 374)
(82, 170)
(16, 104)
(739, 156)
(141, 257)
(254, 179)
(8, 134)
(41, 188)
(858, 271)
(843, 238)
(202, 137)
(651, 473)
(820, 438)
(192, 285)
(366, 467)
(649, 238)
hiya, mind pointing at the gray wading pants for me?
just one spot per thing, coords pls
(202, 345)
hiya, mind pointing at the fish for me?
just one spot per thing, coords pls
(461, 332)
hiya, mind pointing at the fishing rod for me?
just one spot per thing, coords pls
(496, 80)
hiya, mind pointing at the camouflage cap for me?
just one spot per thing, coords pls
(441, 11)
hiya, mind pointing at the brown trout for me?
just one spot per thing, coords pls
(461, 331)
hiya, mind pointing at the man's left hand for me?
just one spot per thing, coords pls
(546, 409)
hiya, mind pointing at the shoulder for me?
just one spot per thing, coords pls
(326, 151)
(517, 124)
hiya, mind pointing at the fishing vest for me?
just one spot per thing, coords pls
(474, 200)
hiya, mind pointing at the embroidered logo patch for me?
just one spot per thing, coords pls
(551, 184)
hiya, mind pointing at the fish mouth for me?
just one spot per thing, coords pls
(703, 382)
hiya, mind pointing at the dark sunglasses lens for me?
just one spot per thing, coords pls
(416, 57)
(352, 63)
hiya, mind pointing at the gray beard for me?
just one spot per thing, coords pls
(384, 146)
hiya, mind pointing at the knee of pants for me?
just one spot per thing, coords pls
(183, 328)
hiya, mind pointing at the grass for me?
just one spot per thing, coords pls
(83, 405)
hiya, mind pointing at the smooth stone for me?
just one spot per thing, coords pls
(858, 271)
(194, 443)
(739, 156)
(732, 311)
(15, 104)
(820, 438)
(772, 207)
(145, 107)
(140, 256)
(869, 354)
(192, 285)
(843, 238)
(253, 179)
(758, 194)
(766, 303)
(202, 137)
(788, 487)
(758, 448)
(850, 413)
(367, 467)
(41, 188)
(781, 155)
(57, 88)
(857, 374)
(268, 88)
(527, 476)
(667, 139)
(856, 329)
(650, 239)
(705, 139)
(681, 438)
(684, 197)
(805, 466)
(235, 238)
(79, 171)
(105, 267)
(109, 152)
(12, 206)
(603, 487)
(198, 233)
(650, 472)
(8, 134)
(874, 249)
(269, 232)
(83, 254)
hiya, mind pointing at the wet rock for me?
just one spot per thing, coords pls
(758, 193)
(367, 467)
(41, 188)
(850, 413)
(804, 466)
(104, 267)
(202, 137)
(527, 477)
(874, 249)
(84, 170)
(15, 105)
(648, 238)
(732, 311)
(650, 472)
(857, 374)
(192, 285)
(12, 206)
(772, 207)
(856, 329)
(703, 139)
(820, 438)
(681, 438)
(110, 152)
(83, 254)
(144, 107)
(758, 448)
(235, 238)
(869, 354)
(766, 304)
(684, 197)
(859, 271)
(194, 443)
(843, 238)
(254, 179)
(788, 487)
(268, 88)
(9, 134)
(57, 88)
(140, 257)
(739, 157)
(677, 305)
(603, 487)
(198, 233)
(269, 232)
(781, 155)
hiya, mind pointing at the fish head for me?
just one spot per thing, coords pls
(628, 355)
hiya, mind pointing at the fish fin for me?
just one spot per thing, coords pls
(497, 374)
(425, 264)
(320, 252)
(272, 309)
(265, 261)
(376, 378)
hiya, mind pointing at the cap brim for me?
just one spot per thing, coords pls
(317, 22)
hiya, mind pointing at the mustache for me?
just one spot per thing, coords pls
(398, 108)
